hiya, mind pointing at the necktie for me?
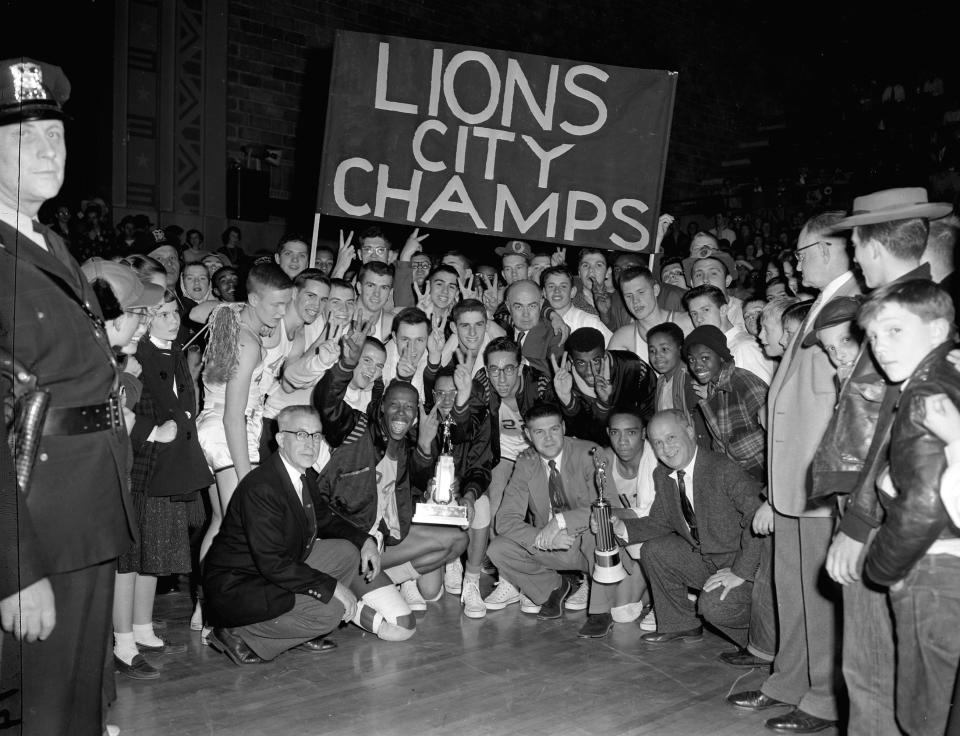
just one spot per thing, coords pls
(520, 337)
(558, 499)
(308, 509)
(687, 508)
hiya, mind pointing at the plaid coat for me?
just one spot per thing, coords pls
(732, 414)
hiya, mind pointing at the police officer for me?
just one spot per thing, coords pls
(56, 595)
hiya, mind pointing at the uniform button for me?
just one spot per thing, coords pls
(40, 315)
(43, 457)
(188, 414)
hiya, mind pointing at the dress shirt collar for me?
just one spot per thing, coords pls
(558, 460)
(688, 469)
(23, 224)
(294, 476)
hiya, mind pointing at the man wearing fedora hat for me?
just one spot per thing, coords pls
(889, 234)
(56, 590)
(800, 404)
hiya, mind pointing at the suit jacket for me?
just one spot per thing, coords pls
(166, 468)
(527, 492)
(78, 503)
(540, 343)
(725, 499)
(801, 401)
(256, 564)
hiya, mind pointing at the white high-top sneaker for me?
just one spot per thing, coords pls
(502, 596)
(473, 604)
(453, 577)
(411, 594)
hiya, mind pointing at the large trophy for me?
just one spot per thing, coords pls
(607, 567)
(439, 507)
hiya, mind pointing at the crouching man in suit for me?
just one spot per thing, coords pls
(552, 485)
(279, 572)
(697, 535)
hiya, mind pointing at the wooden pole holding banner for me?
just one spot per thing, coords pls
(315, 240)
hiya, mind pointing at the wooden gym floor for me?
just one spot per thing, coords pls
(504, 674)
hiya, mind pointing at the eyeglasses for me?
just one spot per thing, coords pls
(379, 250)
(799, 251)
(508, 371)
(143, 314)
(303, 436)
(445, 394)
(420, 266)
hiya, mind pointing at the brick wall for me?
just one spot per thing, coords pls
(275, 48)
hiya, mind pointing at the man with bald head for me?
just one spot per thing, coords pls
(697, 535)
(534, 334)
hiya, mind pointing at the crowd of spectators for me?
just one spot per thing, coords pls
(679, 370)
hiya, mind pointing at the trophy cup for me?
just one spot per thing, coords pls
(607, 567)
(439, 507)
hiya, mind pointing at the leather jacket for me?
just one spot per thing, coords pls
(839, 459)
(915, 518)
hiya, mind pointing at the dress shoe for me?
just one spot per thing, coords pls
(690, 636)
(597, 626)
(224, 640)
(165, 647)
(742, 658)
(138, 669)
(798, 721)
(319, 644)
(553, 608)
(754, 700)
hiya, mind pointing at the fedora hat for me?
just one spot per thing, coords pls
(887, 205)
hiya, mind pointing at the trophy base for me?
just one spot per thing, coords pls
(607, 568)
(441, 513)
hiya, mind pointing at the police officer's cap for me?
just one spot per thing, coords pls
(31, 90)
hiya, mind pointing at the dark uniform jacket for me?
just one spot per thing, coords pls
(78, 502)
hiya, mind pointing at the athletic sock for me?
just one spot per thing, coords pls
(124, 647)
(143, 634)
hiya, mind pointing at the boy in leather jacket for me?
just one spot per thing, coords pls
(916, 551)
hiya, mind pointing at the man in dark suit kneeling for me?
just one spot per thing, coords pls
(697, 535)
(279, 572)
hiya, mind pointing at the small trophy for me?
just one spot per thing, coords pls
(607, 567)
(439, 507)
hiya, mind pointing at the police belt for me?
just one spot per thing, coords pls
(83, 419)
